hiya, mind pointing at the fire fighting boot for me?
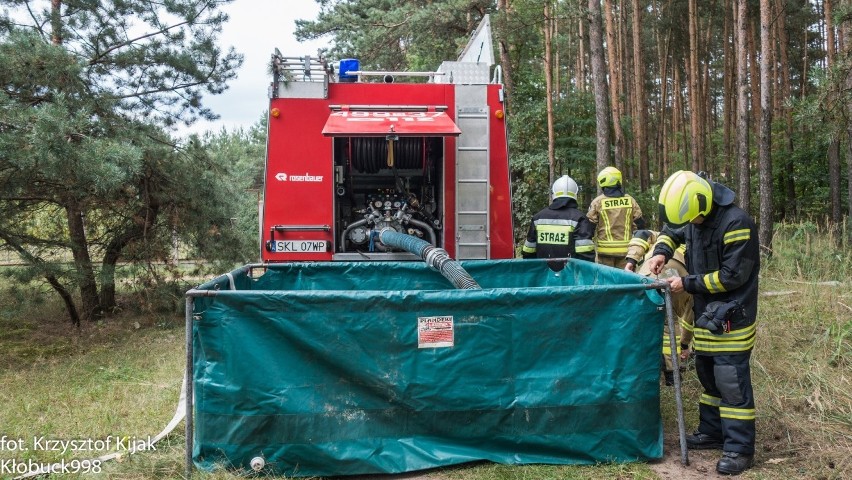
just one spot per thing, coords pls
(733, 463)
(669, 376)
(702, 441)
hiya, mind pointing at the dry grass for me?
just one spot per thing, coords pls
(121, 377)
(801, 364)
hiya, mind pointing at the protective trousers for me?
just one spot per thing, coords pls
(726, 408)
(610, 261)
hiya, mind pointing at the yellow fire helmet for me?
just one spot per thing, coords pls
(609, 177)
(684, 197)
(565, 186)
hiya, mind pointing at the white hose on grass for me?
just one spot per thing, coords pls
(180, 413)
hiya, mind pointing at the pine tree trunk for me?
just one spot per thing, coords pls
(730, 97)
(835, 215)
(599, 79)
(842, 34)
(629, 95)
(830, 48)
(754, 71)
(614, 85)
(625, 94)
(777, 100)
(581, 57)
(663, 150)
(108, 292)
(694, 94)
(56, 22)
(789, 188)
(849, 172)
(75, 217)
(708, 120)
(82, 261)
(679, 121)
(677, 108)
(765, 142)
(743, 165)
(76, 228)
(640, 120)
(557, 77)
(846, 37)
(803, 80)
(146, 217)
(548, 83)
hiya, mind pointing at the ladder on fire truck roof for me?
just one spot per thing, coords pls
(472, 173)
(470, 74)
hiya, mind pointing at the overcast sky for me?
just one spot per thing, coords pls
(255, 29)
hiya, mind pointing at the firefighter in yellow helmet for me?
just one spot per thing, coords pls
(641, 248)
(615, 216)
(560, 230)
(723, 262)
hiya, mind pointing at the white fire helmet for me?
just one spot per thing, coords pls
(565, 186)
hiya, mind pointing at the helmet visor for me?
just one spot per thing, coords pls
(674, 221)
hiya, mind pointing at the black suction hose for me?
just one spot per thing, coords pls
(436, 258)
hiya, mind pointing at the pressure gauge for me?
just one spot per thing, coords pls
(377, 204)
(397, 204)
(388, 204)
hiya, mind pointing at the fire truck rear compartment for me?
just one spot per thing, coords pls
(376, 189)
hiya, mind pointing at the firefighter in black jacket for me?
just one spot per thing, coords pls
(560, 230)
(722, 258)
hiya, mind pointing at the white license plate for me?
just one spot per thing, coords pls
(299, 246)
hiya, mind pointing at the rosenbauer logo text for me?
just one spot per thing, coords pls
(307, 177)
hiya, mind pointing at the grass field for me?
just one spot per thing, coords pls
(121, 378)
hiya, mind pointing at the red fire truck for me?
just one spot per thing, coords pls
(352, 152)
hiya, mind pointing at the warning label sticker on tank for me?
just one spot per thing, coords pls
(435, 332)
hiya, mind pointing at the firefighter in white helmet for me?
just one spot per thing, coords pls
(615, 215)
(723, 260)
(560, 230)
(641, 248)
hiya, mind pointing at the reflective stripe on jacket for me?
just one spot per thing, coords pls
(723, 261)
(614, 218)
(559, 231)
